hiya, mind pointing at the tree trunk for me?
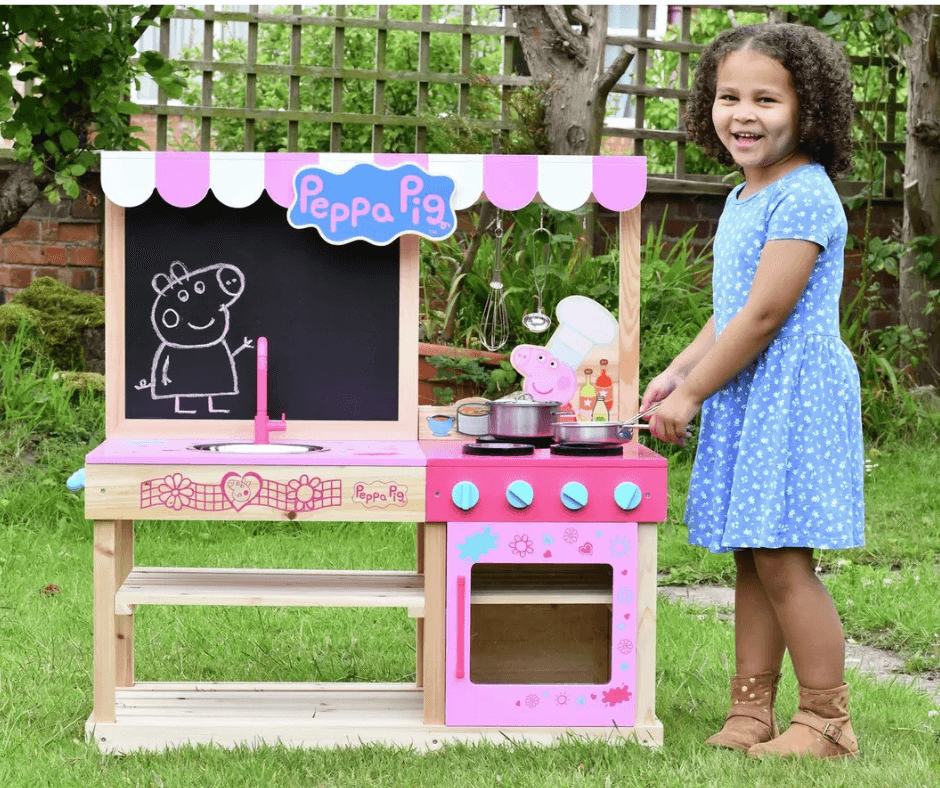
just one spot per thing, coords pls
(566, 50)
(921, 181)
(17, 195)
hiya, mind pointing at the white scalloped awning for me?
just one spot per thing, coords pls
(509, 182)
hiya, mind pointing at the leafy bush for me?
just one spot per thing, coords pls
(36, 401)
(886, 357)
(450, 294)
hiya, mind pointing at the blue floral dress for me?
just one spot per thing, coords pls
(780, 461)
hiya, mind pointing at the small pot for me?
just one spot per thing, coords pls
(522, 418)
(473, 418)
(594, 431)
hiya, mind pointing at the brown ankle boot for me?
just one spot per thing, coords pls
(751, 718)
(821, 728)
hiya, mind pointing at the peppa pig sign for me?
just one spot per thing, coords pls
(370, 203)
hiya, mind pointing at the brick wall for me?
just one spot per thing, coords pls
(61, 241)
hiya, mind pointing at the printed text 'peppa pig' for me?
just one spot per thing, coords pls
(372, 203)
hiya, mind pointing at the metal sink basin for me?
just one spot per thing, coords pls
(257, 448)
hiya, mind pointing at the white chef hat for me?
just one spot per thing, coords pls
(583, 323)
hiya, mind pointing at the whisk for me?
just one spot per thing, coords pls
(495, 329)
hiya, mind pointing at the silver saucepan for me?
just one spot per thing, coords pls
(595, 431)
(522, 418)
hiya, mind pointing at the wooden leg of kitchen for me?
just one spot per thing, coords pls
(123, 619)
(113, 634)
(435, 589)
(646, 632)
(419, 622)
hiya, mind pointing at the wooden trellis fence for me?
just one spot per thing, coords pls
(439, 21)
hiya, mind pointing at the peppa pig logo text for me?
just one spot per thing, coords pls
(380, 495)
(374, 204)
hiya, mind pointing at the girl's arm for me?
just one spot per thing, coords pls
(665, 383)
(781, 278)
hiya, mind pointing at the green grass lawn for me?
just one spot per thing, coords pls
(886, 593)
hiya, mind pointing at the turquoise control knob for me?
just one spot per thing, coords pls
(574, 496)
(465, 495)
(519, 494)
(628, 496)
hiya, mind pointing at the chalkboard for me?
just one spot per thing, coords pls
(202, 280)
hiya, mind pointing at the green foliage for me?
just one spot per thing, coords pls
(525, 110)
(886, 357)
(57, 315)
(34, 400)
(316, 95)
(557, 264)
(492, 381)
(76, 63)
(675, 298)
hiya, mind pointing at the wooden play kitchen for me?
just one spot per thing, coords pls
(262, 336)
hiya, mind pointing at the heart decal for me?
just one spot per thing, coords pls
(518, 703)
(586, 549)
(593, 696)
(547, 554)
(623, 572)
(546, 539)
(240, 490)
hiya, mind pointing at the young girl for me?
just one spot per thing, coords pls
(779, 466)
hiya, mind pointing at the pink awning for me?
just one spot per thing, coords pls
(510, 182)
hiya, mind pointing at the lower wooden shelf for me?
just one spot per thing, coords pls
(155, 716)
(271, 587)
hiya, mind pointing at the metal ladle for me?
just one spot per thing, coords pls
(538, 322)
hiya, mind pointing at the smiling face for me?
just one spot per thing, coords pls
(756, 115)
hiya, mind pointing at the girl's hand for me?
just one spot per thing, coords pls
(659, 388)
(670, 422)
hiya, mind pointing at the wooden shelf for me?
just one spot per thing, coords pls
(541, 595)
(154, 716)
(541, 584)
(271, 587)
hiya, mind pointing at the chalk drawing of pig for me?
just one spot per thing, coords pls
(190, 317)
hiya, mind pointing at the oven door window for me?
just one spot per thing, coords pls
(517, 640)
(541, 624)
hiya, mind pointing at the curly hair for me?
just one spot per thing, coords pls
(820, 73)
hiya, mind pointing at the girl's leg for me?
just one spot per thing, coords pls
(758, 639)
(759, 652)
(813, 633)
(806, 614)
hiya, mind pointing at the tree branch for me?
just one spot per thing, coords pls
(152, 12)
(927, 133)
(568, 41)
(616, 70)
(20, 190)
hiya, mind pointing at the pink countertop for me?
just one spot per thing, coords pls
(176, 451)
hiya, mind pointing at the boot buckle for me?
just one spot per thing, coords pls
(833, 737)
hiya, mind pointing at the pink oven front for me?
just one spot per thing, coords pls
(542, 582)
(541, 624)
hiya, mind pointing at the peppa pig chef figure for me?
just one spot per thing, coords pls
(549, 372)
(190, 317)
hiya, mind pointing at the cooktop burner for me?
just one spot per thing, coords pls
(587, 449)
(538, 443)
(497, 448)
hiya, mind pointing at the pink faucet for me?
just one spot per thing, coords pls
(264, 425)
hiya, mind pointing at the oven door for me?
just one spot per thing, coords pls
(541, 624)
